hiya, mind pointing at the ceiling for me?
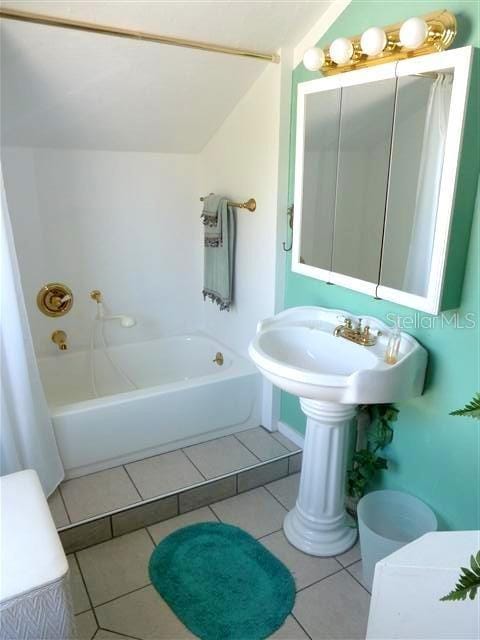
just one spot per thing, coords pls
(68, 89)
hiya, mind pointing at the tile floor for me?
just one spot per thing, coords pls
(113, 598)
(105, 491)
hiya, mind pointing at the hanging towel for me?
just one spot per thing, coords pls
(219, 251)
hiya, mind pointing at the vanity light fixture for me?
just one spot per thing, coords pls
(414, 37)
(341, 50)
(413, 33)
(313, 59)
(373, 41)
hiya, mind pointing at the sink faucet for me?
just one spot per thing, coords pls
(59, 337)
(359, 335)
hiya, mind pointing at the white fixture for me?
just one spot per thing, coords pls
(408, 586)
(373, 41)
(413, 33)
(297, 351)
(341, 50)
(314, 59)
(176, 383)
(125, 321)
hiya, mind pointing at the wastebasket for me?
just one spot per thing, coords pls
(388, 520)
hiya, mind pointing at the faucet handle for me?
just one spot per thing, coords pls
(347, 322)
(96, 295)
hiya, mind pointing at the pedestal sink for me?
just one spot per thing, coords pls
(298, 352)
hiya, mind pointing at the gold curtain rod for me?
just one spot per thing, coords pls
(90, 27)
(250, 204)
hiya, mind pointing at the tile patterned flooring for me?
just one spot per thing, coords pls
(113, 598)
(105, 491)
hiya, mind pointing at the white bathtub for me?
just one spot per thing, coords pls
(182, 397)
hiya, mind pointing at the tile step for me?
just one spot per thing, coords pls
(104, 527)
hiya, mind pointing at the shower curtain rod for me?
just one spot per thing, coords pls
(90, 27)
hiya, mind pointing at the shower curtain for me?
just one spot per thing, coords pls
(428, 186)
(27, 440)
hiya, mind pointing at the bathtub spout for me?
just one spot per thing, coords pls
(59, 337)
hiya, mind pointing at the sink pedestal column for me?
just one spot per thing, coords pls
(317, 523)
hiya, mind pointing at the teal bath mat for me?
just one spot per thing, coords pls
(221, 583)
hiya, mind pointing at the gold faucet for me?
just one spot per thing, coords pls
(359, 335)
(59, 337)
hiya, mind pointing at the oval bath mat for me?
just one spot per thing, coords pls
(221, 583)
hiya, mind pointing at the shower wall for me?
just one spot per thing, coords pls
(242, 160)
(123, 222)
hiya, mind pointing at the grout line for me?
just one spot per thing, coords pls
(128, 593)
(268, 534)
(236, 483)
(92, 473)
(357, 581)
(214, 514)
(119, 633)
(65, 504)
(273, 496)
(132, 481)
(86, 589)
(244, 445)
(287, 451)
(193, 463)
(218, 438)
(346, 566)
(334, 573)
(274, 435)
(300, 625)
(291, 473)
(155, 544)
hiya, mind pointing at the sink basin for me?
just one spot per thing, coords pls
(299, 353)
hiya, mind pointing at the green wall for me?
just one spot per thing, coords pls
(433, 456)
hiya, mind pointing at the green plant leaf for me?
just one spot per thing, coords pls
(379, 434)
(472, 409)
(468, 582)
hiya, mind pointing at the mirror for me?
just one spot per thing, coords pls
(421, 118)
(322, 123)
(373, 189)
(364, 150)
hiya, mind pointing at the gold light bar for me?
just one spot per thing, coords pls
(442, 29)
(90, 27)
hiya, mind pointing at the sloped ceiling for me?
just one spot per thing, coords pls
(67, 89)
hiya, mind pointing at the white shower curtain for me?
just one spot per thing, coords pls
(428, 186)
(27, 440)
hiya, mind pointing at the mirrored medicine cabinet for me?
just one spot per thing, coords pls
(377, 154)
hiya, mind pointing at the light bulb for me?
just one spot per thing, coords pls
(413, 33)
(341, 50)
(313, 59)
(373, 41)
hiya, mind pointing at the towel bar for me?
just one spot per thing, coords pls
(250, 204)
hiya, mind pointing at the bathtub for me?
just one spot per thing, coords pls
(160, 395)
